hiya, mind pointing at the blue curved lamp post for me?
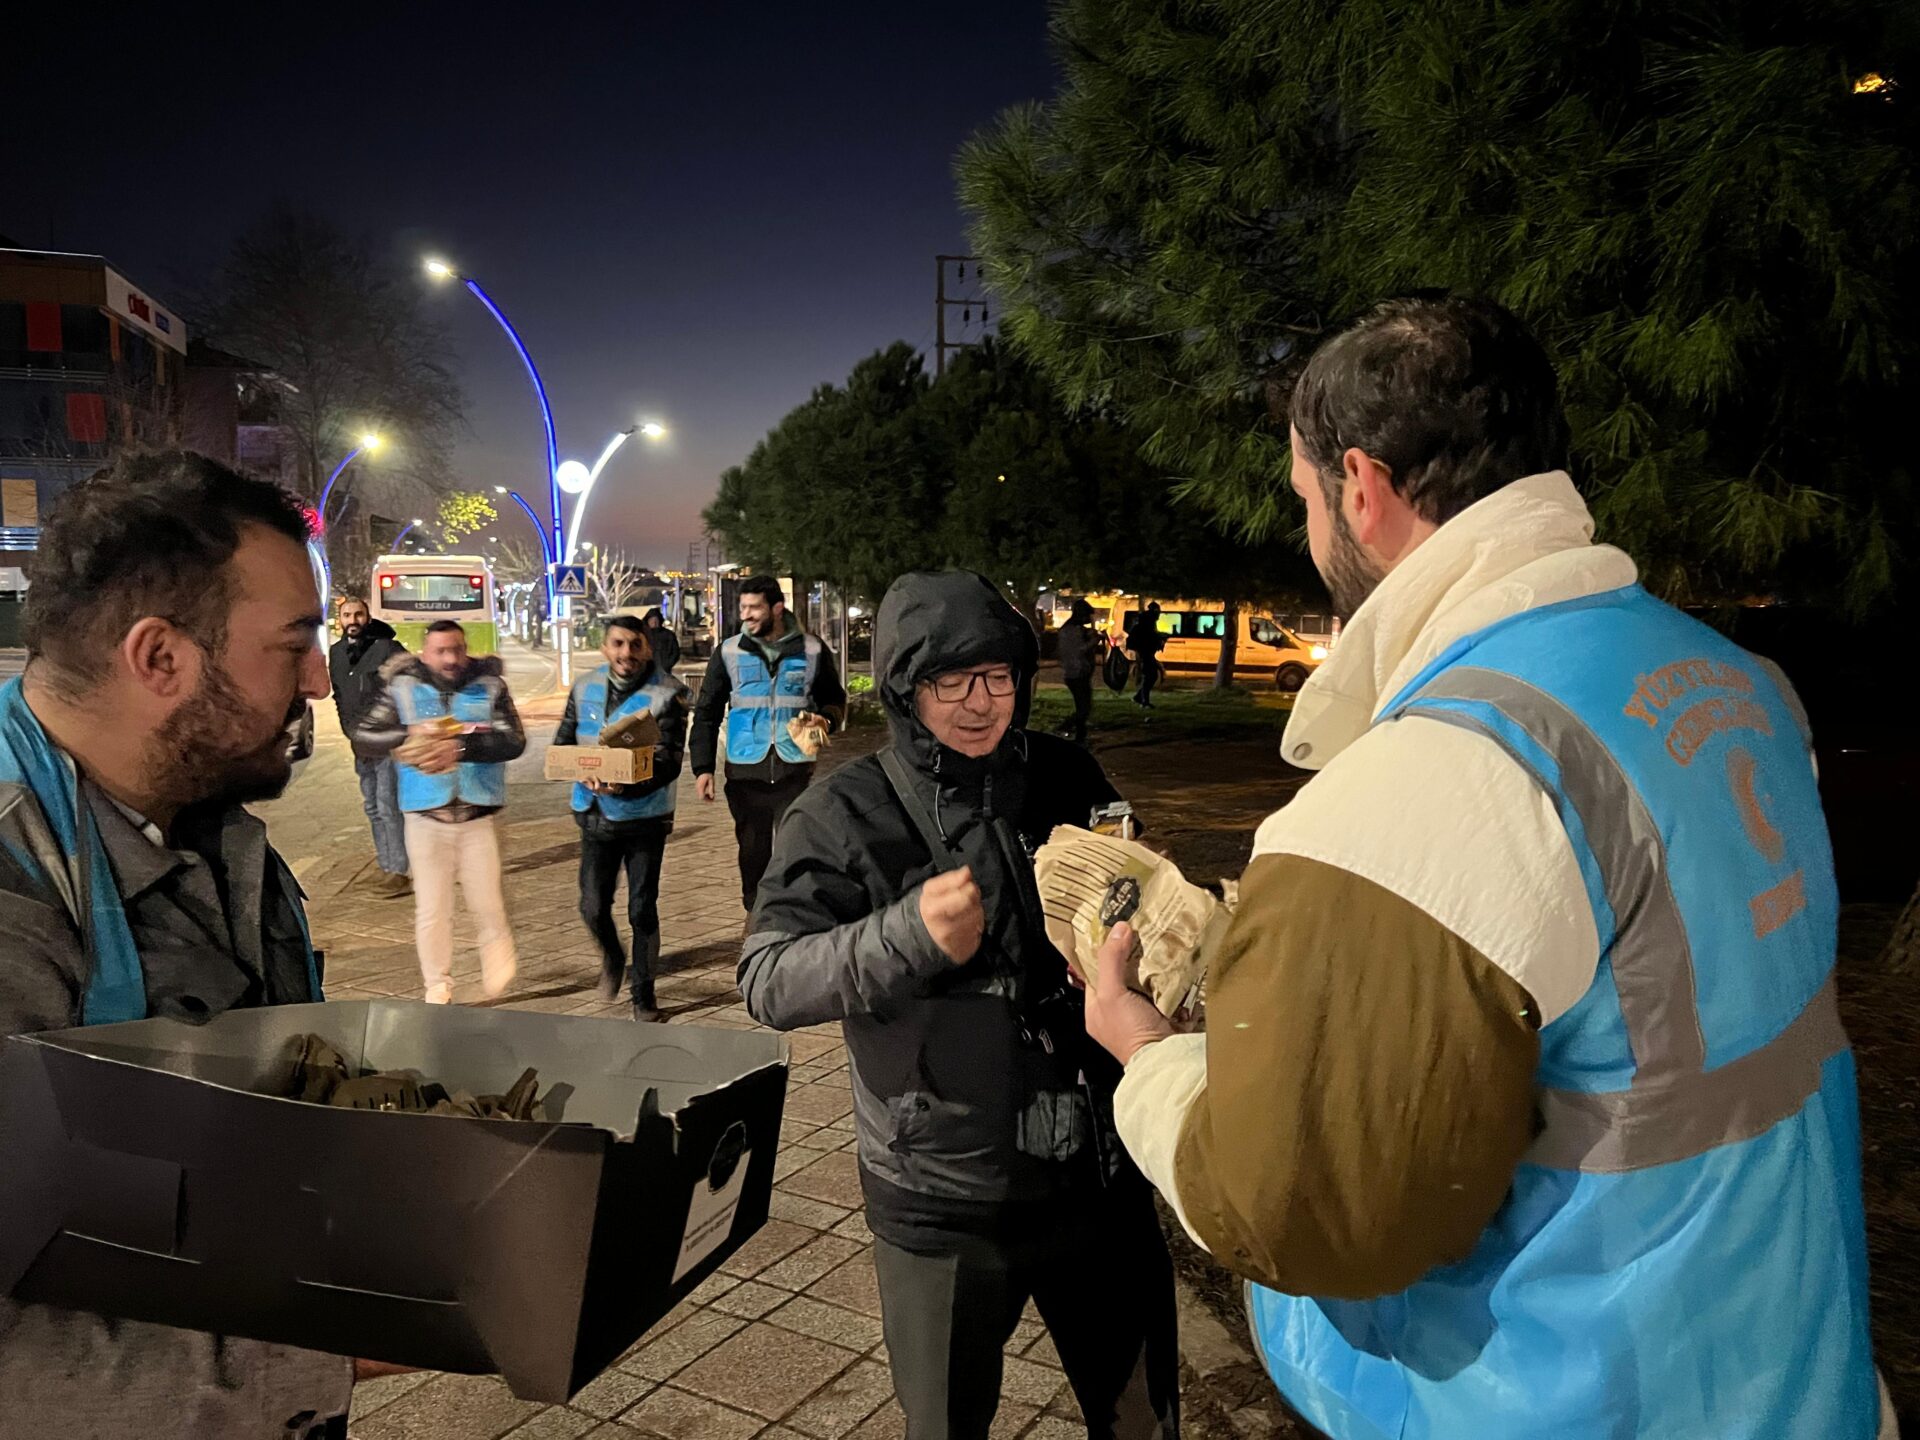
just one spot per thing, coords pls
(546, 551)
(440, 270)
(405, 530)
(367, 442)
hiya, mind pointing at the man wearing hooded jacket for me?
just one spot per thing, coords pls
(900, 902)
(354, 666)
(1523, 1098)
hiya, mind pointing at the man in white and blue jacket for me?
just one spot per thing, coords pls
(625, 827)
(451, 787)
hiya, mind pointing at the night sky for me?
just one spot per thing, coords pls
(695, 212)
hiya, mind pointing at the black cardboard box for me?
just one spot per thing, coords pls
(144, 1175)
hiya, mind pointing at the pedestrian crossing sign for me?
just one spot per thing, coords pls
(570, 579)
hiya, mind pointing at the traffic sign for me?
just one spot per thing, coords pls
(570, 580)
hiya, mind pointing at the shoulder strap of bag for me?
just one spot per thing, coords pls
(900, 781)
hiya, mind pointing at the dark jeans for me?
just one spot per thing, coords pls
(1149, 677)
(757, 806)
(1105, 1290)
(1082, 691)
(603, 855)
(380, 798)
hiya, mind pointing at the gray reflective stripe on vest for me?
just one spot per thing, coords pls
(738, 701)
(1652, 962)
(1636, 1129)
(1674, 1108)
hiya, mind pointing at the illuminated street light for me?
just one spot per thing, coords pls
(572, 476)
(317, 543)
(652, 429)
(406, 530)
(441, 270)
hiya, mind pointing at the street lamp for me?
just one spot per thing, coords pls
(651, 429)
(405, 531)
(441, 270)
(368, 444)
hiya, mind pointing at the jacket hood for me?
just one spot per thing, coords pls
(1527, 544)
(931, 622)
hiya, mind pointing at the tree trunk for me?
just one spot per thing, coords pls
(1902, 955)
(1229, 646)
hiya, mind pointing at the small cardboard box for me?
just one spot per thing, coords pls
(149, 1173)
(599, 762)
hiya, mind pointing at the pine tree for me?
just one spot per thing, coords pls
(1706, 210)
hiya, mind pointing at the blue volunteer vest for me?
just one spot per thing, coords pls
(764, 700)
(116, 983)
(416, 701)
(590, 713)
(1683, 1252)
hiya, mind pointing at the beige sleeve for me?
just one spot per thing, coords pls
(1368, 1089)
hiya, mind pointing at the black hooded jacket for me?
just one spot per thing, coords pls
(354, 668)
(968, 1099)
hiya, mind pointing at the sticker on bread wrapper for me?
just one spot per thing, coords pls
(715, 1201)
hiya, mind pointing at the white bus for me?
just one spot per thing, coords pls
(411, 592)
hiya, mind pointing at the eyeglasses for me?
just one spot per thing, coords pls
(959, 686)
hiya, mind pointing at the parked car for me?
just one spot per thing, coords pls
(300, 736)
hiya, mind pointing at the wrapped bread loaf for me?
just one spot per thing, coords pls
(809, 732)
(1090, 882)
(424, 736)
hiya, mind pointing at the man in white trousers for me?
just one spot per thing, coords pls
(452, 784)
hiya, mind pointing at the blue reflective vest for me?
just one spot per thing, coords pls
(590, 713)
(59, 833)
(415, 701)
(1683, 1252)
(763, 700)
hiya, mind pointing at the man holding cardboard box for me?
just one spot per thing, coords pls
(625, 826)
(449, 722)
(173, 636)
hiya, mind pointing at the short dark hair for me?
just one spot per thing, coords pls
(441, 627)
(346, 600)
(151, 534)
(636, 623)
(765, 586)
(1452, 394)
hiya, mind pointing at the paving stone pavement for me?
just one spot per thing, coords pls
(785, 1342)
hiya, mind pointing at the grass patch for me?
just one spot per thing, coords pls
(1178, 711)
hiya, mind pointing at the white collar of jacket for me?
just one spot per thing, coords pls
(1528, 544)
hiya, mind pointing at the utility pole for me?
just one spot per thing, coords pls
(942, 302)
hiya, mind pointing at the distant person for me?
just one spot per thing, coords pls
(1079, 654)
(625, 827)
(451, 788)
(173, 637)
(1146, 642)
(768, 675)
(661, 640)
(366, 644)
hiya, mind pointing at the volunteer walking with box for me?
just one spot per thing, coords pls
(449, 722)
(625, 827)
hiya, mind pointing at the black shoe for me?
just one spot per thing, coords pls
(609, 987)
(646, 1010)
